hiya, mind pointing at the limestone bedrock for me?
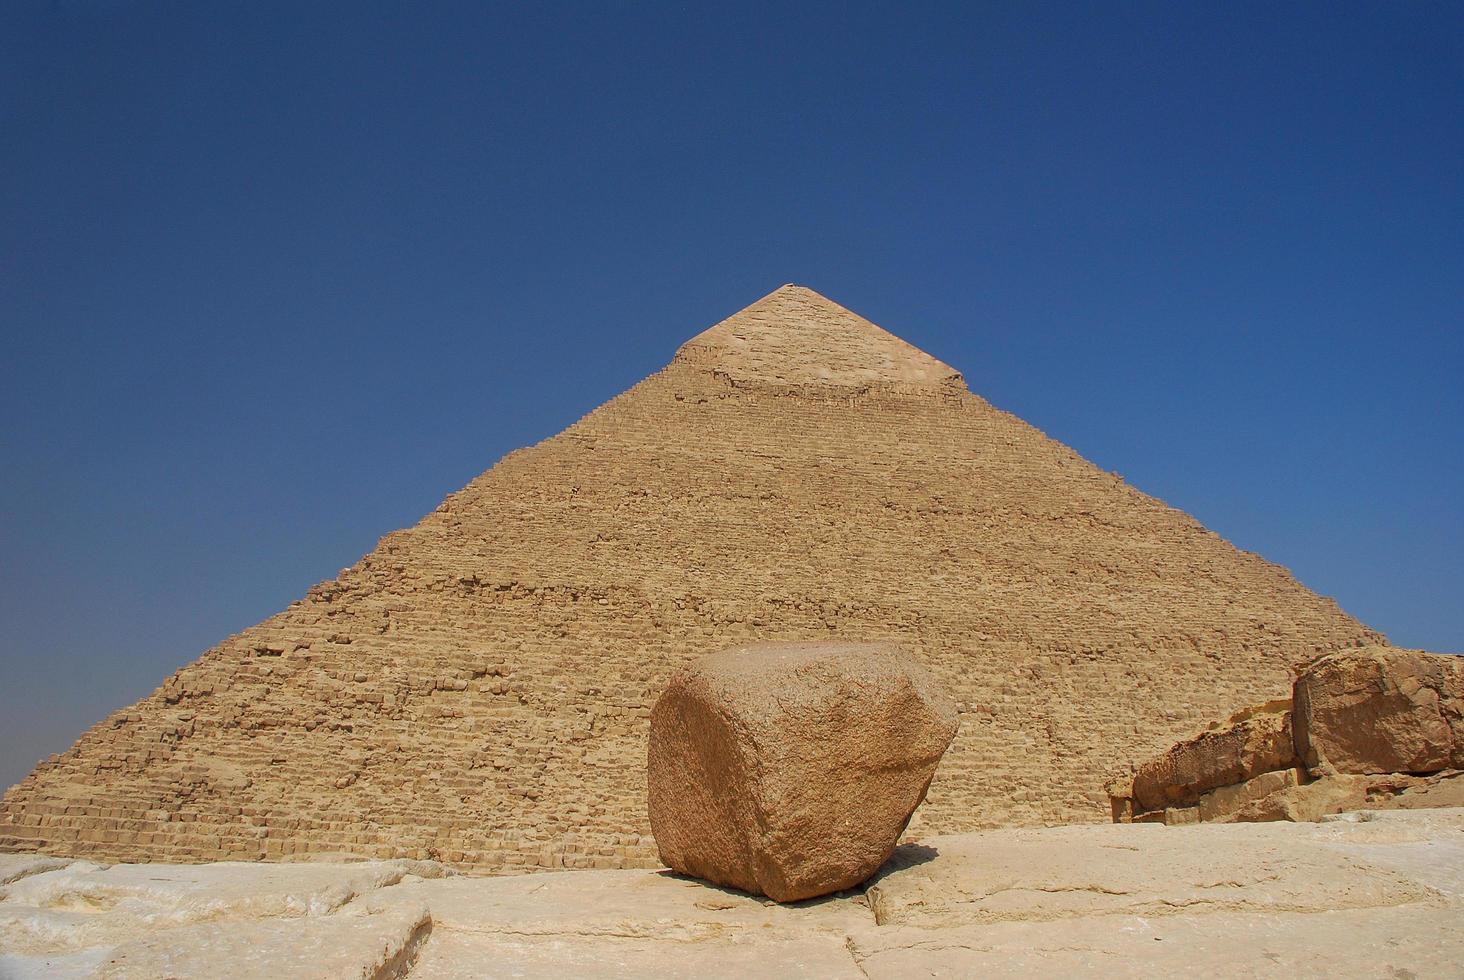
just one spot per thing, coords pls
(791, 769)
(1363, 895)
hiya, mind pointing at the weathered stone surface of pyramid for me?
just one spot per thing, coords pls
(476, 689)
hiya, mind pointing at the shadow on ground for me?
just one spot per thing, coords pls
(904, 856)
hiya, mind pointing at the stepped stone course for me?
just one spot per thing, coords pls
(476, 689)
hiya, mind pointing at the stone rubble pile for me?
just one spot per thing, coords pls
(1370, 728)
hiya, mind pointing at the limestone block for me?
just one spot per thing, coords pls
(1223, 803)
(1378, 710)
(1439, 789)
(1221, 757)
(348, 947)
(1329, 795)
(1069, 873)
(790, 770)
(1178, 816)
(1307, 802)
(14, 867)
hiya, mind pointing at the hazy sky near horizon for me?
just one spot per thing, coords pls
(276, 278)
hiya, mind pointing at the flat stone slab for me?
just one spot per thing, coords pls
(14, 867)
(84, 905)
(1386, 942)
(466, 956)
(654, 905)
(1359, 895)
(349, 946)
(1135, 869)
(183, 892)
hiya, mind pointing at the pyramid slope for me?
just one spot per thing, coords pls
(476, 689)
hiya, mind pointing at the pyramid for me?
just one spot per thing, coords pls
(476, 689)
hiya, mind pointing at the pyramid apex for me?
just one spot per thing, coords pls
(797, 336)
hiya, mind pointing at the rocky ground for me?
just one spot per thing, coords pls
(1378, 894)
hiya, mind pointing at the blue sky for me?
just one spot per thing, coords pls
(274, 279)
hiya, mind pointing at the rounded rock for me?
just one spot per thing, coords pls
(791, 769)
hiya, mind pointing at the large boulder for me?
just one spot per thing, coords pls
(1379, 710)
(1255, 741)
(790, 770)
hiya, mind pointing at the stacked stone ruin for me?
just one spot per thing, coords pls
(1364, 729)
(476, 689)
